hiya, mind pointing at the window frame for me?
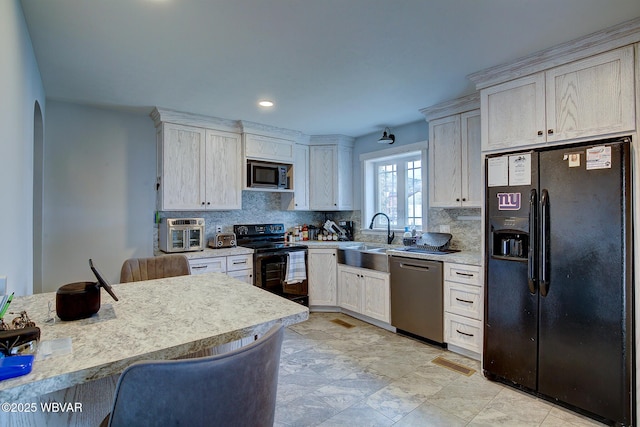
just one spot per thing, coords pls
(368, 164)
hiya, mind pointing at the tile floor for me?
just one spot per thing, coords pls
(331, 375)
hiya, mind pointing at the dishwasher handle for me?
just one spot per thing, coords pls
(413, 266)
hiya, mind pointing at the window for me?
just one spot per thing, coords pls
(393, 185)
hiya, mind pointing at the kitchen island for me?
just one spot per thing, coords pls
(155, 319)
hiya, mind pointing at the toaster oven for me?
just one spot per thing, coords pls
(181, 234)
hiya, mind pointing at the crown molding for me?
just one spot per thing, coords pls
(347, 141)
(161, 115)
(611, 38)
(454, 106)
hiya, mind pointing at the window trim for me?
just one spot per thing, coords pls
(367, 163)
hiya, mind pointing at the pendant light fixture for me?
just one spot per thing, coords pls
(387, 137)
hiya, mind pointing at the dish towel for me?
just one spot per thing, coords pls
(296, 269)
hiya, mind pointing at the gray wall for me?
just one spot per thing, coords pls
(99, 197)
(464, 224)
(21, 87)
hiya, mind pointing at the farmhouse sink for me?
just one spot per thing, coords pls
(364, 256)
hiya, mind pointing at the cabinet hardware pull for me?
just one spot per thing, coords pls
(464, 200)
(540, 133)
(239, 261)
(464, 274)
(457, 200)
(550, 131)
(464, 300)
(199, 266)
(463, 333)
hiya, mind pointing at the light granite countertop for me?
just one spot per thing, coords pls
(210, 252)
(154, 319)
(463, 257)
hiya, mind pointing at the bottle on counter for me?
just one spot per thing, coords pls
(305, 232)
(407, 233)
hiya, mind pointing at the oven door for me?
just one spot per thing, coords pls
(270, 272)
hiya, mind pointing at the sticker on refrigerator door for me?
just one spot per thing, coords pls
(509, 201)
(599, 157)
(520, 169)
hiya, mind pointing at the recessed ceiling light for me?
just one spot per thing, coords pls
(265, 103)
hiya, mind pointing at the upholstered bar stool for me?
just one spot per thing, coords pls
(232, 389)
(137, 269)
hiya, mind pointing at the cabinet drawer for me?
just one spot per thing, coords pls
(208, 265)
(465, 300)
(462, 273)
(463, 332)
(239, 262)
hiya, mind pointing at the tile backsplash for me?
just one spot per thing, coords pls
(265, 207)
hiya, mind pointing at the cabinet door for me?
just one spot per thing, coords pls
(444, 162)
(471, 181)
(349, 289)
(182, 175)
(344, 182)
(322, 277)
(513, 113)
(322, 178)
(243, 275)
(223, 171)
(377, 300)
(591, 97)
(268, 148)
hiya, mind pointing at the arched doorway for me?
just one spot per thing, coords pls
(38, 184)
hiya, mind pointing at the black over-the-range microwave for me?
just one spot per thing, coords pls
(266, 175)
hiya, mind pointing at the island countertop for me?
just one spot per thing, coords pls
(154, 319)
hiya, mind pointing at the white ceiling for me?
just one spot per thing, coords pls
(332, 66)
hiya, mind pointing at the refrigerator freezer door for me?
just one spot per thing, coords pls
(585, 326)
(511, 310)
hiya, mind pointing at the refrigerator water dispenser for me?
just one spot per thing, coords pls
(509, 238)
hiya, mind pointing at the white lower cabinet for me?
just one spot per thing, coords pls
(236, 266)
(365, 292)
(463, 308)
(322, 276)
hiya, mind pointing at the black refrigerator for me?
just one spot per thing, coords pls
(558, 281)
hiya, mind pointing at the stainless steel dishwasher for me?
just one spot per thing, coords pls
(416, 297)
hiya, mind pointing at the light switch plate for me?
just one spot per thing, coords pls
(218, 229)
(3, 285)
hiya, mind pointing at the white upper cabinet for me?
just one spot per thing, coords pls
(455, 162)
(198, 169)
(331, 177)
(513, 113)
(181, 167)
(591, 97)
(223, 171)
(586, 98)
(268, 148)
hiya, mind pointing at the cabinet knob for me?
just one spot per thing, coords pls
(457, 200)
(202, 203)
(464, 200)
(208, 203)
(540, 133)
(550, 131)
